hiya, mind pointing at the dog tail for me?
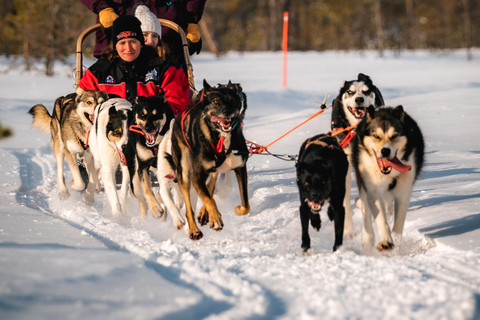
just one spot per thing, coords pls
(41, 117)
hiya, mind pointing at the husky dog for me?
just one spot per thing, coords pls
(207, 139)
(349, 108)
(167, 181)
(69, 125)
(152, 116)
(321, 170)
(388, 155)
(108, 138)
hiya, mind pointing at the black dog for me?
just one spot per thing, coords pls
(152, 116)
(321, 171)
(207, 139)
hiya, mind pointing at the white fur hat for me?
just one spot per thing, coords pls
(149, 21)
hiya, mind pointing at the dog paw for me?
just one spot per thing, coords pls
(64, 195)
(217, 226)
(203, 216)
(347, 234)
(178, 224)
(159, 213)
(241, 211)
(385, 246)
(197, 235)
(88, 199)
(77, 185)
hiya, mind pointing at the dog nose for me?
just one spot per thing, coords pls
(385, 152)
(359, 100)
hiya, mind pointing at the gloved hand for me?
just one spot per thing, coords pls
(106, 17)
(194, 40)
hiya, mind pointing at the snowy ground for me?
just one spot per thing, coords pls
(66, 260)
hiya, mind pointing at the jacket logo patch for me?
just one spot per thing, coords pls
(151, 75)
(110, 80)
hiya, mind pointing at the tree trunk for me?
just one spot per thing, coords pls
(208, 37)
(409, 12)
(378, 22)
(467, 25)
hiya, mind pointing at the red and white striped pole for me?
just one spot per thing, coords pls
(285, 47)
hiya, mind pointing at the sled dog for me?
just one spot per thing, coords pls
(387, 154)
(69, 126)
(152, 116)
(348, 109)
(207, 139)
(108, 139)
(167, 181)
(321, 171)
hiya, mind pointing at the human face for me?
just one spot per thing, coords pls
(128, 49)
(151, 39)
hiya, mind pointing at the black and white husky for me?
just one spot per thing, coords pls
(349, 108)
(387, 154)
(108, 138)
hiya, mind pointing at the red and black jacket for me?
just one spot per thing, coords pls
(145, 76)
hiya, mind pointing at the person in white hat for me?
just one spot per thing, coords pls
(151, 27)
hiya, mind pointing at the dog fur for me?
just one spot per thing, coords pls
(108, 139)
(69, 126)
(388, 155)
(167, 181)
(152, 116)
(321, 171)
(349, 108)
(198, 151)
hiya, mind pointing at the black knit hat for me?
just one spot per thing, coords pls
(127, 27)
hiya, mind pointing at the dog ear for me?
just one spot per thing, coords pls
(206, 86)
(364, 78)
(378, 98)
(370, 113)
(399, 113)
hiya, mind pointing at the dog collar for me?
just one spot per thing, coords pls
(84, 145)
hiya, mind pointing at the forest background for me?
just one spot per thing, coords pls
(47, 30)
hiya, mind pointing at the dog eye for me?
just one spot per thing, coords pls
(375, 136)
(394, 136)
(89, 103)
(350, 92)
(118, 132)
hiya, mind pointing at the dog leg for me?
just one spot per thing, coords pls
(137, 192)
(108, 179)
(242, 181)
(348, 225)
(166, 195)
(304, 219)
(214, 216)
(155, 209)
(339, 217)
(377, 208)
(124, 189)
(89, 195)
(203, 213)
(401, 205)
(77, 181)
(193, 231)
(59, 157)
(315, 221)
(368, 237)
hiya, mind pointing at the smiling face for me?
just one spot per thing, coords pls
(128, 49)
(385, 139)
(222, 108)
(151, 38)
(86, 101)
(356, 98)
(314, 183)
(151, 115)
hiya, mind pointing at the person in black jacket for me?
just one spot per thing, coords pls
(131, 69)
(185, 13)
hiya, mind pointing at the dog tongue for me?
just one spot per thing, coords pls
(92, 117)
(395, 163)
(122, 157)
(150, 138)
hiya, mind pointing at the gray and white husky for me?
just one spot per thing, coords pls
(70, 124)
(388, 155)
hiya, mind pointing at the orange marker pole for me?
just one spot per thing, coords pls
(285, 47)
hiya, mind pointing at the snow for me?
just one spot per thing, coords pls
(63, 259)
